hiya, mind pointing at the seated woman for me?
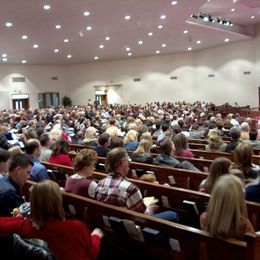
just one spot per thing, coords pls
(60, 153)
(91, 136)
(180, 143)
(84, 165)
(215, 143)
(67, 239)
(218, 167)
(243, 161)
(226, 215)
(130, 140)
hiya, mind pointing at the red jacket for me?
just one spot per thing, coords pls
(68, 240)
(62, 159)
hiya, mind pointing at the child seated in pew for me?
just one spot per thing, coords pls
(226, 215)
(218, 167)
(81, 183)
(67, 239)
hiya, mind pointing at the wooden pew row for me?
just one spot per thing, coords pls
(185, 241)
(169, 197)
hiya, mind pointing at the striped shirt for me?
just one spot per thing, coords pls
(115, 189)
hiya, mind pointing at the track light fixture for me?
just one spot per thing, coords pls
(212, 19)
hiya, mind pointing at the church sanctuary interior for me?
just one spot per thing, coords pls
(130, 129)
(123, 51)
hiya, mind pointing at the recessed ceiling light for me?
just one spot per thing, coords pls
(87, 13)
(227, 40)
(128, 49)
(127, 17)
(46, 7)
(24, 37)
(96, 57)
(140, 42)
(129, 54)
(185, 31)
(198, 42)
(101, 46)
(189, 48)
(4, 59)
(4, 55)
(160, 26)
(107, 38)
(58, 26)
(89, 28)
(8, 24)
(69, 56)
(233, 10)
(157, 52)
(252, 17)
(56, 50)
(174, 2)
(163, 45)
(35, 46)
(150, 34)
(66, 40)
(24, 61)
(163, 17)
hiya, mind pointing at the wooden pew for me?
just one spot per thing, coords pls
(185, 241)
(169, 197)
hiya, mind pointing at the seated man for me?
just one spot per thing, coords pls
(33, 150)
(103, 144)
(4, 157)
(166, 157)
(46, 141)
(117, 190)
(235, 133)
(19, 169)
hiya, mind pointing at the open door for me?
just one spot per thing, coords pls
(20, 101)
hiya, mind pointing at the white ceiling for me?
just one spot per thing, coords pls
(107, 19)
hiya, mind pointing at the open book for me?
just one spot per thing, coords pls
(149, 200)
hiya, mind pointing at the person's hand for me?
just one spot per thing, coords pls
(16, 212)
(98, 232)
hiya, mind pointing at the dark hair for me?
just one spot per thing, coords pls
(31, 145)
(4, 155)
(44, 138)
(103, 138)
(114, 158)
(116, 142)
(61, 146)
(166, 147)
(21, 160)
(235, 133)
(253, 134)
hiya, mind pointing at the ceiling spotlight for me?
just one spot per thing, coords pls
(96, 58)
(233, 10)
(128, 49)
(101, 46)
(252, 17)
(185, 31)
(160, 26)
(4, 59)
(150, 34)
(157, 52)
(163, 16)
(66, 40)
(24, 61)
(163, 45)
(87, 13)
(189, 48)
(198, 42)
(58, 26)
(107, 38)
(81, 34)
(35, 46)
(89, 28)
(4, 55)
(206, 18)
(69, 56)
(56, 50)
(127, 17)
(8, 24)
(46, 7)
(227, 40)
(140, 42)
(129, 54)
(174, 2)
(24, 37)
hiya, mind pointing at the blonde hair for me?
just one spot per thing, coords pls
(214, 139)
(46, 203)
(243, 157)
(147, 136)
(218, 167)
(84, 158)
(226, 208)
(15, 150)
(130, 136)
(143, 147)
(90, 134)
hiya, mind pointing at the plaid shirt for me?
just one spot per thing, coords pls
(115, 189)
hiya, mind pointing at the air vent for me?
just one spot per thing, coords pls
(18, 79)
(54, 78)
(137, 79)
(173, 77)
(247, 72)
(211, 75)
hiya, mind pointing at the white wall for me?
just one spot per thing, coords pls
(38, 80)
